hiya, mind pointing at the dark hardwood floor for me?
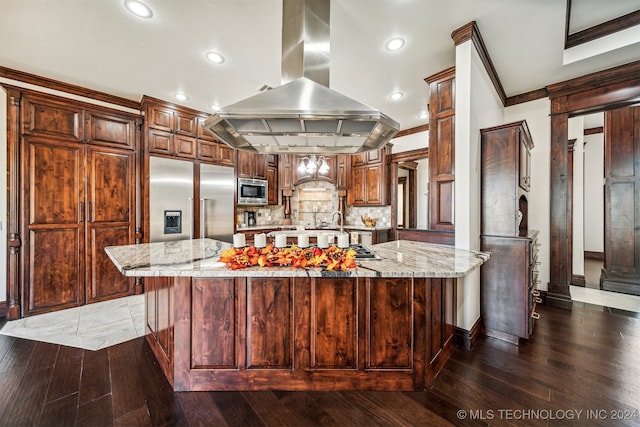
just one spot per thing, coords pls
(580, 368)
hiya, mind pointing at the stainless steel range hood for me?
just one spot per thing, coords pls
(303, 115)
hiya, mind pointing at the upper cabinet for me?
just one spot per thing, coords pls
(441, 149)
(179, 132)
(505, 166)
(368, 181)
(251, 165)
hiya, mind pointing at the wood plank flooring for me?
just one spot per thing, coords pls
(580, 368)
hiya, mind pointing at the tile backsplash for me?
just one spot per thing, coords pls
(319, 197)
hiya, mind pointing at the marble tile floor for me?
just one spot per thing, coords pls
(92, 326)
(613, 302)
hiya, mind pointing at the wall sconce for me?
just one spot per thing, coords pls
(312, 164)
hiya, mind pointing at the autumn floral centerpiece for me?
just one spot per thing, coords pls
(331, 258)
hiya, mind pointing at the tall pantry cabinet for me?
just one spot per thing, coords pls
(509, 279)
(77, 195)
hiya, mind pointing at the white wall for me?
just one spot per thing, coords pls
(536, 113)
(3, 199)
(576, 131)
(477, 107)
(594, 193)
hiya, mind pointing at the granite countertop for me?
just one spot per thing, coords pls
(199, 258)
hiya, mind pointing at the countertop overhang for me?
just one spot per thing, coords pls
(199, 258)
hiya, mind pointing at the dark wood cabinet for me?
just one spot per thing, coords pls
(369, 176)
(505, 165)
(441, 149)
(216, 152)
(272, 179)
(79, 191)
(509, 279)
(251, 165)
(621, 269)
(509, 286)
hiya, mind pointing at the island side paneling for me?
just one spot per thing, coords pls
(300, 333)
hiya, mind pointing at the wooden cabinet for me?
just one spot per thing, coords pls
(441, 149)
(251, 165)
(342, 172)
(79, 197)
(509, 279)
(509, 286)
(272, 179)
(505, 164)
(369, 178)
(179, 132)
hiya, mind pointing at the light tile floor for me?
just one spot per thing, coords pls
(605, 298)
(91, 326)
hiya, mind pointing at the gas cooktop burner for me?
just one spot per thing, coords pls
(363, 252)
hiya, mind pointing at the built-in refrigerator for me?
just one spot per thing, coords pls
(175, 202)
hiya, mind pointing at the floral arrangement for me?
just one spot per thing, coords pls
(331, 258)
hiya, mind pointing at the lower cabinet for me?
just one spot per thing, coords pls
(508, 286)
(300, 333)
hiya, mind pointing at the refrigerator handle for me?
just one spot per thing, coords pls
(203, 213)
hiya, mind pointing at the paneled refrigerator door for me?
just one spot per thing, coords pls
(170, 199)
(217, 188)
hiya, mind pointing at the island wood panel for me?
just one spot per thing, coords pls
(159, 296)
(389, 323)
(303, 333)
(334, 321)
(269, 323)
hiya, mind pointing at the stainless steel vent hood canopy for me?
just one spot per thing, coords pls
(303, 115)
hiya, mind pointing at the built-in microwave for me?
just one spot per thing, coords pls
(252, 191)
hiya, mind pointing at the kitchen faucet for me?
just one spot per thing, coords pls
(341, 220)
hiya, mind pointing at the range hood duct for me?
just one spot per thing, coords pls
(303, 116)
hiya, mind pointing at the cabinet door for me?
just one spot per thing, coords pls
(244, 164)
(160, 142)
(356, 194)
(161, 118)
(272, 179)
(207, 151)
(342, 172)
(110, 129)
(185, 124)
(110, 220)
(184, 146)
(260, 165)
(374, 183)
(358, 159)
(49, 118)
(226, 154)
(55, 214)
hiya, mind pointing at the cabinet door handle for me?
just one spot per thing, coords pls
(535, 293)
(535, 315)
(80, 211)
(538, 300)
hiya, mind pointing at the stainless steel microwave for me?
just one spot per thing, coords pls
(252, 191)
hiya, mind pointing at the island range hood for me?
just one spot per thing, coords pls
(303, 115)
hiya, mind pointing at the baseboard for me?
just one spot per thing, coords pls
(559, 300)
(594, 255)
(3, 308)
(578, 280)
(467, 339)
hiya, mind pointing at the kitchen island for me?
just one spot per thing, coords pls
(387, 324)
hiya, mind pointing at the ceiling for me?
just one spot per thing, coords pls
(98, 44)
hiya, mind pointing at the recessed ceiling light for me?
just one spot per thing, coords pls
(423, 115)
(215, 107)
(138, 8)
(396, 95)
(394, 44)
(180, 96)
(214, 57)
